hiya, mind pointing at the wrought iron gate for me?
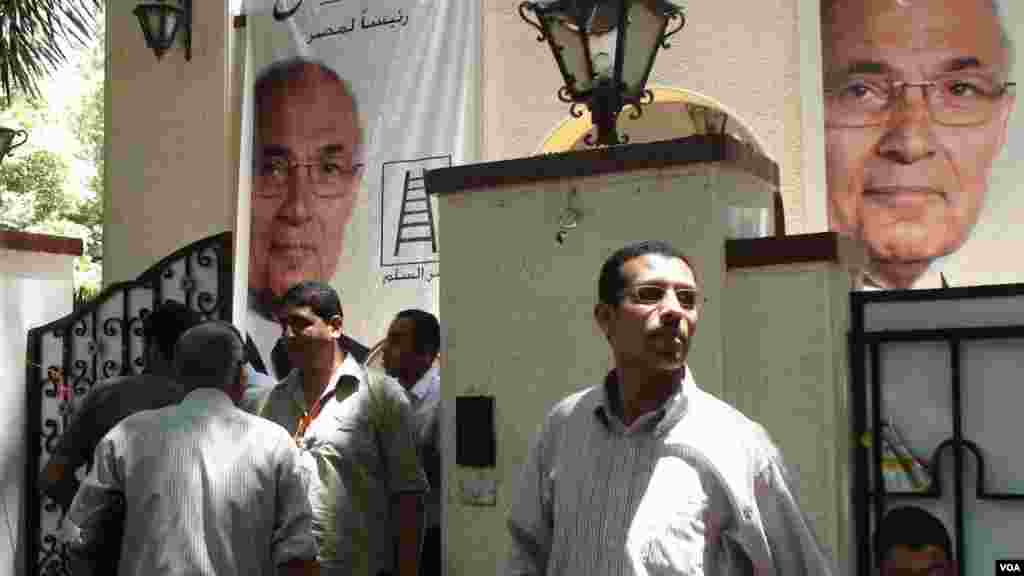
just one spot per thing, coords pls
(99, 340)
(867, 351)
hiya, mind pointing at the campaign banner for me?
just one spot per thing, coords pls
(922, 141)
(346, 104)
(923, 161)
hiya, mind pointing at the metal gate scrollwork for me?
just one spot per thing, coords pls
(100, 340)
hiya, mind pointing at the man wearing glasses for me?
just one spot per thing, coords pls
(307, 145)
(916, 109)
(646, 473)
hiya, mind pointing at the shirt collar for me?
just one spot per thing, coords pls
(167, 380)
(657, 422)
(933, 277)
(348, 367)
(212, 397)
(427, 384)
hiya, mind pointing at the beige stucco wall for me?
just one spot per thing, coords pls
(168, 165)
(744, 55)
(796, 386)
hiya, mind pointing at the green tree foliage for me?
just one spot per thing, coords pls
(88, 123)
(32, 191)
(36, 37)
(54, 184)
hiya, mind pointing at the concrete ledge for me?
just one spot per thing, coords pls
(32, 242)
(667, 153)
(799, 248)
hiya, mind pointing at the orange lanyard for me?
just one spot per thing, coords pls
(307, 418)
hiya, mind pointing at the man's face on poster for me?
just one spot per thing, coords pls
(908, 164)
(305, 178)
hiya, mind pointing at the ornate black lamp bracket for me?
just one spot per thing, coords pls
(532, 6)
(675, 16)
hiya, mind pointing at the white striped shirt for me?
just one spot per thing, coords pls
(208, 489)
(619, 501)
(693, 488)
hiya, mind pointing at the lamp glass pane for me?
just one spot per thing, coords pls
(152, 19)
(647, 22)
(602, 52)
(573, 54)
(168, 26)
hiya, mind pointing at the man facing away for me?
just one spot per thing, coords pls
(410, 350)
(354, 427)
(646, 473)
(207, 488)
(110, 401)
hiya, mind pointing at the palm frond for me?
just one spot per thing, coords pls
(35, 36)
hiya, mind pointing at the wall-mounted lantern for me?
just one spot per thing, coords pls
(9, 140)
(605, 50)
(160, 22)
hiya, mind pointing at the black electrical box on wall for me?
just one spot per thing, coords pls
(474, 431)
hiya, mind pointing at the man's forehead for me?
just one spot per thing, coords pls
(296, 312)
(912, 35)
(904, 559)
(401, 326)
(308, 106)
(650, 267)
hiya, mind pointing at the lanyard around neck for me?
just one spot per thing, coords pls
(307, 418)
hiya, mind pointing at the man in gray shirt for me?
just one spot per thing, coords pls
(208, 489)
(645, 473)
(410, 356)
(109, 401)
(354, 427)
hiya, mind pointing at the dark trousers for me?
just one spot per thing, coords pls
(430, 559)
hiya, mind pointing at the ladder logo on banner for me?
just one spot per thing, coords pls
(408, 216)
(412, 228)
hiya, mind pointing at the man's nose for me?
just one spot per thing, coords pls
(908, 132)
(299, 198)
(670, 306)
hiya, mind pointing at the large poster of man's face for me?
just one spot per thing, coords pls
(918, 98)
(306, 169)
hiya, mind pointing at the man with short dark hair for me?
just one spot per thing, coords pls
(646, 473)
(911, 541)
(410, 352)
(207, 488)
(109, 401)
(355, 429)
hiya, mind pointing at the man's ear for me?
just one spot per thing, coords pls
(603, 316)
(241, 382)
(336, 323)
(1004, 120)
